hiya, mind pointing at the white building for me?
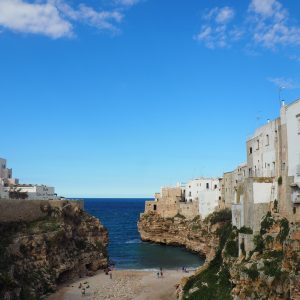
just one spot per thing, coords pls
(206, 191)
(262, 150)
(9, 185)
(290, 117)
(35, 192)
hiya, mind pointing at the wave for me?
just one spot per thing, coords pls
(134, 241)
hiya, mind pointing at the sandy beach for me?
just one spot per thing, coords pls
(124, 285)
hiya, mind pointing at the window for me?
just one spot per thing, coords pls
(190, 194)
(154, 207)
(250, 150)
(207, 185)
(216, 186)
(298, 121)
(257, 145)
(267, 140)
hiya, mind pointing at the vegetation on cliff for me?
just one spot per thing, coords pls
(36, 256)
(270, 271)
(213, 282)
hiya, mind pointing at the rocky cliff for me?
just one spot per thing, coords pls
(196, 235)
(36, 256)
(272, 269)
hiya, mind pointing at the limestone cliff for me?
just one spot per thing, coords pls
(36, 256)
(271, 271)
(195, 235)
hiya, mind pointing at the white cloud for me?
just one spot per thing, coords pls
(217, 32)
(264, 7)
(127, 2)
(104, 20)
(266, 24)
(224, 15)
(20, 16)
(271, 26)
(56, 18)
(286, 83)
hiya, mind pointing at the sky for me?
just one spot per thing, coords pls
(117, 98)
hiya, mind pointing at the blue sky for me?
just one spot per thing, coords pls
(118, 98)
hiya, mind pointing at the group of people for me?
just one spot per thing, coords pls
(159, 273)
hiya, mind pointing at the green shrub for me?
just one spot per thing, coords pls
(275, 205)
(196, 227)
(242, 247)
(269, 239)
(258, 243)
(246, 230)
(232, 248)
(220, 216)
(266, 223)
(272, 268)
(252, 272)
(284, 230)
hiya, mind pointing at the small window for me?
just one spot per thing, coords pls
(250, 150)
(267, 140)
(294, 210)
(154, 207)
(216, 186)
(257, 145)
(207, 185)
(298, 121)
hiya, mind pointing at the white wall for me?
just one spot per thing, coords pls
(208, 202)
(195, 186)
(293, 138)
(264, 192)
(38, 192)
(264, 145)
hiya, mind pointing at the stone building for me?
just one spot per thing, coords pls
(6, 174)
(171, 202)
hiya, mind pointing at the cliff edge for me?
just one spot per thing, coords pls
(37, 255)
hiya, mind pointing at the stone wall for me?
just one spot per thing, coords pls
(30, 210)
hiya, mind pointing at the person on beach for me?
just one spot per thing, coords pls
(161, 274)
(157, 274)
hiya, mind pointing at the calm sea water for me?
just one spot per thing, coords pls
(126, 250)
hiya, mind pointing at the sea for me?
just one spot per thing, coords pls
(126, 250)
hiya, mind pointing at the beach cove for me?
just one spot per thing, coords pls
(125, 285)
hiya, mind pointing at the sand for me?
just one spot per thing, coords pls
(124, 285)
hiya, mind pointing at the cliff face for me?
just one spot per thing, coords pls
(272, 270)
(196, 235)
(36, 256)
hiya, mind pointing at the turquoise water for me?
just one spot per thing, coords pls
(126, 250)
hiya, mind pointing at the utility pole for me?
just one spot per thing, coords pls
(279, 94)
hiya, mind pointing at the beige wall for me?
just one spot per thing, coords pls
(29, 210)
